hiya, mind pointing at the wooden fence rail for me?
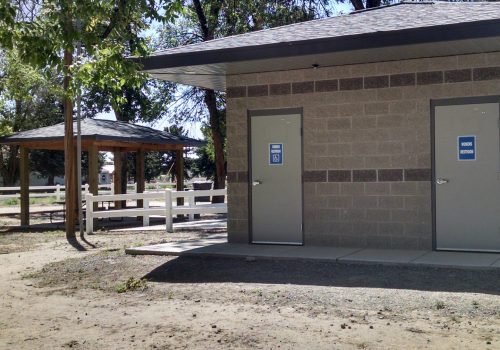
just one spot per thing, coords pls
(170, 209)
(58, 190)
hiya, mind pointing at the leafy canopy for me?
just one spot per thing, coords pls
(108, 31)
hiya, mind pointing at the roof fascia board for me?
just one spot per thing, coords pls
(449, 32)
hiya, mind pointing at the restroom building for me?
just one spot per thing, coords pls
(378, 128)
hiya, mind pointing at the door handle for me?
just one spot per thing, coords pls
(256, 183)
(440, 181)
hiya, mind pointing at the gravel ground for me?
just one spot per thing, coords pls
(55, 297)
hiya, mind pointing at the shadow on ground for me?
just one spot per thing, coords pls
(317, 273)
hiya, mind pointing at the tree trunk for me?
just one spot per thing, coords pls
(358, 4)
(124, 177)
(207, 26)
(218, 141)
(50, 180)
(124, 169)
(69, 154)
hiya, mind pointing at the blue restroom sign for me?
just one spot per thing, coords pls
(467, 147)
(275, 154)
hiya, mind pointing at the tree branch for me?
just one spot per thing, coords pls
(202, 19)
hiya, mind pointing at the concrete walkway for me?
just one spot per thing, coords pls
(217, 246)
(203, 224)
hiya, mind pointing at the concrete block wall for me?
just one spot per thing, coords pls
(367, 144)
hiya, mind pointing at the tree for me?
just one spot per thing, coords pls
(48, 163)
(45, 35)
(204, 163)
(29, 98)
(206, 20)
(157, 163)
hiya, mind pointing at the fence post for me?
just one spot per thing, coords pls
(89, 220)
(190, 202)
(58, 192)
(145, 217)
(168, 211)
(86, 188)
(112, 188)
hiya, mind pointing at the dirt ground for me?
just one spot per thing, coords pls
(56, 297)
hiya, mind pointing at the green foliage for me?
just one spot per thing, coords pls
(107, 30)
(158, 163)
(204, 163)
(29, 98)
(11, 201)
(5, 128)
(47, 163)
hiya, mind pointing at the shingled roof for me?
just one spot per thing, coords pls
(398, 25)
(104, 132)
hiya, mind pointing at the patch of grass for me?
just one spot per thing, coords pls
(475, 303)
(440, 305)
(10, 201)
(37, 200)
(131, 284)
(43, 200)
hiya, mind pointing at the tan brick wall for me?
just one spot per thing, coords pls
(366, 144)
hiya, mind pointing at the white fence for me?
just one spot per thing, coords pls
(170, 209)
(58, 190)
(39, 191)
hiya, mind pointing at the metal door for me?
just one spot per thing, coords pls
(276, 174)
(467, 177)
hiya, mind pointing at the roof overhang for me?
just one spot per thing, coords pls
(209, 69)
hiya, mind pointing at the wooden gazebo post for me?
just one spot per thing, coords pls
(117, 178)
(25, 187)
(139, 175)
(179, 167)
(93, 179)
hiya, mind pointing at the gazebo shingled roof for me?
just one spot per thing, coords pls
(105, 134)
(100, 135)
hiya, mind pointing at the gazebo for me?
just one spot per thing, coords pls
(100, 135)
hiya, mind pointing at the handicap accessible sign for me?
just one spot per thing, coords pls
(467, 147)
(275, 154)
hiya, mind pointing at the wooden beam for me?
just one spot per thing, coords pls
(93, 176)
(105, 145)
(140, 177)
(179, 175)
(102, 145)
(25, 183)
(117, 178)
